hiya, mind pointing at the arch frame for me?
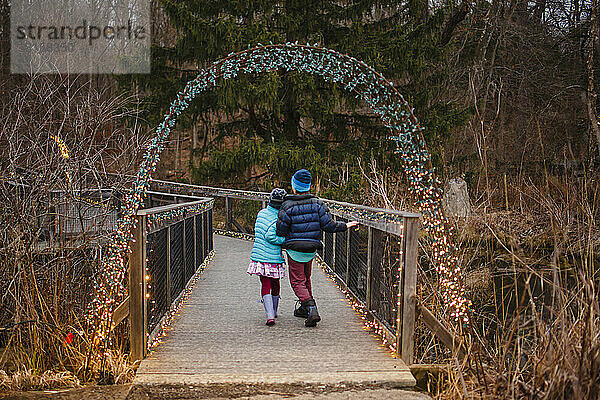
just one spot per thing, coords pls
(354, 76)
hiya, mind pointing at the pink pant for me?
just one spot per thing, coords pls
(300, 278)
(269, 285)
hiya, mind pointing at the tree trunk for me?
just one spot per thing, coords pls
(291, 116)
(418, 10)
(194, 136)
(591, 92)
(457, 17)
(539, 9)
(4, 48)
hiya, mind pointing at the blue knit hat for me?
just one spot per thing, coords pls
(301, 180)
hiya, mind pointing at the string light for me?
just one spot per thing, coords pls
(179, 213)
(64, 152)
(356, 77)
(237, 235)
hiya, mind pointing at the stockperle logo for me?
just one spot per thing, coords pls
(80, 36)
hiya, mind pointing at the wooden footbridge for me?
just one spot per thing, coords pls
(194, 316)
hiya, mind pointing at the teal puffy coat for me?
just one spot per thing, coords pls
(267, 245)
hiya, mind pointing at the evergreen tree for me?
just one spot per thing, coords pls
(277, 122)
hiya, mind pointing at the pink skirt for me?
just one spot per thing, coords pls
(270, 270)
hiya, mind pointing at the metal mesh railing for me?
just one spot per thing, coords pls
(176, 264)
(200, 254)
(209, 229)
(84, 212)
(357, 262)
(157, 270)
(347, 254)
(341, 253)
(176, 245)
(384, 273)
(189, 248)
(327, 255)
(207, 245)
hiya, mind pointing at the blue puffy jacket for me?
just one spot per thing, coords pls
(267, 245)
(302, 218)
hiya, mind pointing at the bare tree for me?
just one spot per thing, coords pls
(57, 134)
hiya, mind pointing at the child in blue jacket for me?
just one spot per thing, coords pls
(266, 260)
(302, 219)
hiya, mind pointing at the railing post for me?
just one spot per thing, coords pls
(405, 333)
(264, 204)
(137, 291)
(228, 213)
(333, 239)
(369, 295)
(184, 254)
(348, 235)
(195, 242)
(168, 266)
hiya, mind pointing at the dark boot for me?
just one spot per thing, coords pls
(301, 311)
(313, 313)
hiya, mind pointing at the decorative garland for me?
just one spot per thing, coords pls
(353, 75)
(178, 213)
(236, 235)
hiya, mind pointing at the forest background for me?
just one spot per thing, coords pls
(498, 86)
(507, 93)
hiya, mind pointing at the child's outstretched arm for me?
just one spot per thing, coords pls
(327, 222)
(272, 237)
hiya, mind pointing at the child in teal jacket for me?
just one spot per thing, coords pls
(266, 260)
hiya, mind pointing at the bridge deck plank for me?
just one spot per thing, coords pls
(220, 337)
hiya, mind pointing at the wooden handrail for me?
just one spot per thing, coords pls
(170, 207)
(253, 195)
(262, 196)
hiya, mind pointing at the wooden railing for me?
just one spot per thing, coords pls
(375, 265)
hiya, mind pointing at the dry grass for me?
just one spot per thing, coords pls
(28, 379)
(540, 338)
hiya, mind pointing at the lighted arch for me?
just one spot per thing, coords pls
(352, 74)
